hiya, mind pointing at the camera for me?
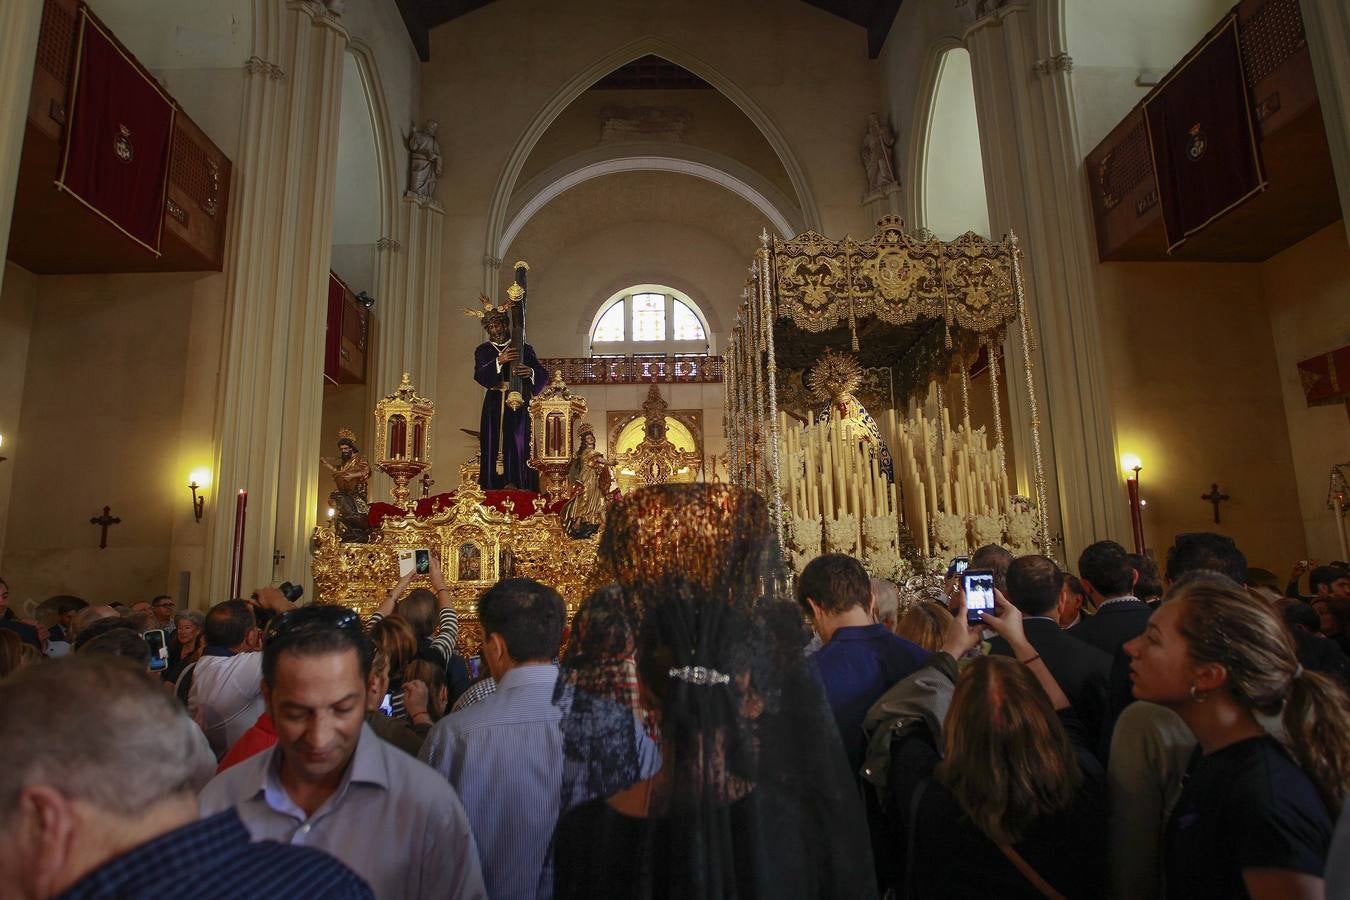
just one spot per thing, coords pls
(292, 592)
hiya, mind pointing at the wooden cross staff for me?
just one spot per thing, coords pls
(1216, 498)
(104, 520)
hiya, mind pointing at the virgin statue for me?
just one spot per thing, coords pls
(593, 482)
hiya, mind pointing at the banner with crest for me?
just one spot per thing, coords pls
(117, 138)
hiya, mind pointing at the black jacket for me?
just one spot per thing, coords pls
(1113, 624)
(1080, 669)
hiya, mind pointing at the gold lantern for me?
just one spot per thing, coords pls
(555, 415)
(403, 435)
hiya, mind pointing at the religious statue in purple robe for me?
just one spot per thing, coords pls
(504, 433)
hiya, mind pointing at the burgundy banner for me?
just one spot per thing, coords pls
(1326, 378)
(1202, 136)
(118, 134)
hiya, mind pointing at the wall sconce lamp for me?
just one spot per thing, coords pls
(2, 443)
(198, 481)
(1131, 464)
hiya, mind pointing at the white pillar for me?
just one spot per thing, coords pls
(1035, 186)
(19, 22)
(269, 409)
(1327, 24)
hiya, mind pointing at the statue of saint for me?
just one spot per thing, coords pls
(351, 475)
(876, 155)
(504, 433)
(592, 479)
(834, 381)
(424, 160)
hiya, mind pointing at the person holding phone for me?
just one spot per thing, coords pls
(1022, 806)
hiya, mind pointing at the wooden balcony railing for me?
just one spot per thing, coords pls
(640, 368)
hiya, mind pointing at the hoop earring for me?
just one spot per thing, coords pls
(1196, 695)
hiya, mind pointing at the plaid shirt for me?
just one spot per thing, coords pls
(215, 858)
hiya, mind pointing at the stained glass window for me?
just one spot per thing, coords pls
(649, 317)
(610, 326)
(687, 325)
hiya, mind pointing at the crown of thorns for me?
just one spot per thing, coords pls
(489, 313)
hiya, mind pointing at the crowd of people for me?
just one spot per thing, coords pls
(701, 727)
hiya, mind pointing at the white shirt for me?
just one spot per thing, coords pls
(394, 821)
(228, 692)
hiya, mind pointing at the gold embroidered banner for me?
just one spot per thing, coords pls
(896, 277)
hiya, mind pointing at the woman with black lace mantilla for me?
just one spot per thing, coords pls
(753, 796)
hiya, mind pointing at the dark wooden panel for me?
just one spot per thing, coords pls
(1301, 195)
(52, 233)
(347, 339)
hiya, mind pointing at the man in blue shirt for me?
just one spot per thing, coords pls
(98, 771)
(860, 659)
(504, 755)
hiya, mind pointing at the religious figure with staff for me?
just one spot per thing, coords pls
(511, 373)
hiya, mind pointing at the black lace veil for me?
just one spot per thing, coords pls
(754, 797)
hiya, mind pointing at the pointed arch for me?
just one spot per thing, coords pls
(574, 87)
(680, 159)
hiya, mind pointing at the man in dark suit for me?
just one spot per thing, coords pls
(1108, 578)
(1034, 587)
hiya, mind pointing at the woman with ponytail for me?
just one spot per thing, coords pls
(1255, 816)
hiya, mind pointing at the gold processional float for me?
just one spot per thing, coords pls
(900, 488)
(822, 326)
(477, 543)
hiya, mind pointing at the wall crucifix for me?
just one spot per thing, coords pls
(1216, 498)
(104, 521)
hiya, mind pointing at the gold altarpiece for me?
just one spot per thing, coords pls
(477, 542)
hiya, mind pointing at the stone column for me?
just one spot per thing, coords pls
(312, 143)
(1327, 24)
(409, 278)
(1035, 187)
(19, 22)
(269, 409)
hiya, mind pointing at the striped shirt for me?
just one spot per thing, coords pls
(477, 692)
(504, 757)
(447, 631)
(215, 858)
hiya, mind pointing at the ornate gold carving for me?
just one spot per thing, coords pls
(656, 460)
(896, 276)
(554, 434)
(501, 545)
(403, 436)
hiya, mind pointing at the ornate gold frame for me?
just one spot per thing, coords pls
(536, 546)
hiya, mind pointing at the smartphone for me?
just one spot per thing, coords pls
(418, 561)
(958, 566)
(979, 590)
(159, 649)
(387, 705)
(475, 664)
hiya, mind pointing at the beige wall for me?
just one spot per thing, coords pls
(1307, 290)
(17, 302)
(1196, 392)
(808, 71)
(118, 396)
(715, 123)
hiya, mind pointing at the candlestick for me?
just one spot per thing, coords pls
(1136, 509)
(237, 560)
(1340, 526)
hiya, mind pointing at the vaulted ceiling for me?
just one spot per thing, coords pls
(875, 16)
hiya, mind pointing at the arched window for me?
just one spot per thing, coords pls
(952, 196)
(649, 318)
